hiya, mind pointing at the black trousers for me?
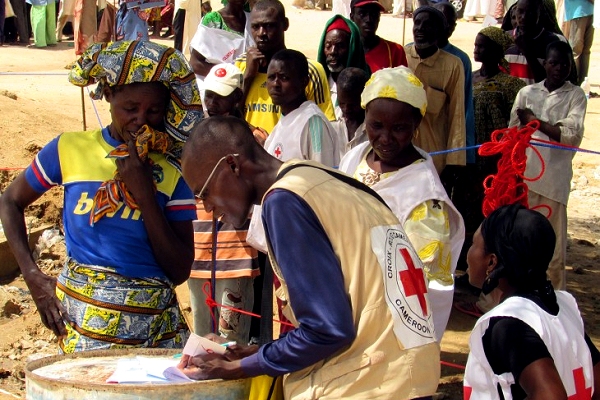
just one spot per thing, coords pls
(178, 22)
(20, 9)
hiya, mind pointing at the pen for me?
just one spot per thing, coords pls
(228, 344)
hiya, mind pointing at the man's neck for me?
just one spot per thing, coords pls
(426, 52)
(352, 125)
(268, 56)
(533, 32)
(442, 43)
(264, 175)
(288, 108)
(370, 42)
(553, 86)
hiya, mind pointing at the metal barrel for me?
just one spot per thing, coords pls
(83, 376)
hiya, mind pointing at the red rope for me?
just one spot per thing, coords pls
(507, 185)
(449, 364)
(210, 302)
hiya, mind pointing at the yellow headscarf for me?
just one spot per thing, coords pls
(397, 83)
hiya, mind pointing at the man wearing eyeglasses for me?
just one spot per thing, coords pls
(354, 285)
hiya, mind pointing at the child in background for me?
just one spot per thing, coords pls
(303, 131)
(236, 262)
(350, 127)
(560, 107)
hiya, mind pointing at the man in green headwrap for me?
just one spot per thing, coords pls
(340, 48)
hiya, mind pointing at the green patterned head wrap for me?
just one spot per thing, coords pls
(125, 62)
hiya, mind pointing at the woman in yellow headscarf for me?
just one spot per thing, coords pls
(127, 211)
(405, 177)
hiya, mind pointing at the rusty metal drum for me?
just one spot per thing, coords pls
(83, 376)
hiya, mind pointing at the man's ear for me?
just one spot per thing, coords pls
(305, 81)
(286, 24)
(233, 161)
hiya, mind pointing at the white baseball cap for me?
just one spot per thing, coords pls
(223, 79)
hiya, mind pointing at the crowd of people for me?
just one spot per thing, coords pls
(347, 186)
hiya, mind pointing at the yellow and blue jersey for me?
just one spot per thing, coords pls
(77, 161)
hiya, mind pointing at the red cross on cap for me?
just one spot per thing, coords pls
(413, 281)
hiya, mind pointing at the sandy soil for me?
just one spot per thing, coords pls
(37, 103)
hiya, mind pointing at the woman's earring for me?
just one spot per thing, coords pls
(415, 134)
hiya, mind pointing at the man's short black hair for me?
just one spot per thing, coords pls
(559, 46)
(352, 79)
(295, 58)
(262, 5)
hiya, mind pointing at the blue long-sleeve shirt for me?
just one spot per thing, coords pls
(315, 284)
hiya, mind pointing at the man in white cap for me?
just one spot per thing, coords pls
(223, 90)
(236, 262)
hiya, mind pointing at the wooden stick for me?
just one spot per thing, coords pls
(83, 109)
(404, 23)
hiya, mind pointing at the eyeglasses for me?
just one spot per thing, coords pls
(200, 195)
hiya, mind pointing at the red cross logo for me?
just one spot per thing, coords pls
(277, 151)
(581, 392)
(467, 390)
(413, 281)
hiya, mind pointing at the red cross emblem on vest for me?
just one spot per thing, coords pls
(278, 151)
(581, 391)
(413, 281)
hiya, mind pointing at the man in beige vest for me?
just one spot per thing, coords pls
(353, 285)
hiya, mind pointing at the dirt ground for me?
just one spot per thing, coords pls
(37, 103)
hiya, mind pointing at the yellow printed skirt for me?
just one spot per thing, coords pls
(111, 311)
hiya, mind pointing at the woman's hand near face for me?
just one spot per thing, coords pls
(172, 241)
(137, 175)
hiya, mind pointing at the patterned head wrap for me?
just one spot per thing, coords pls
(126, 62)
(502, 39)
(499, 37)
(397, 83)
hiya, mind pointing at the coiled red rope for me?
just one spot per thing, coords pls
(508, 185)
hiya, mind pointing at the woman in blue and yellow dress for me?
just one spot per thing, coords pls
(127, 211)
